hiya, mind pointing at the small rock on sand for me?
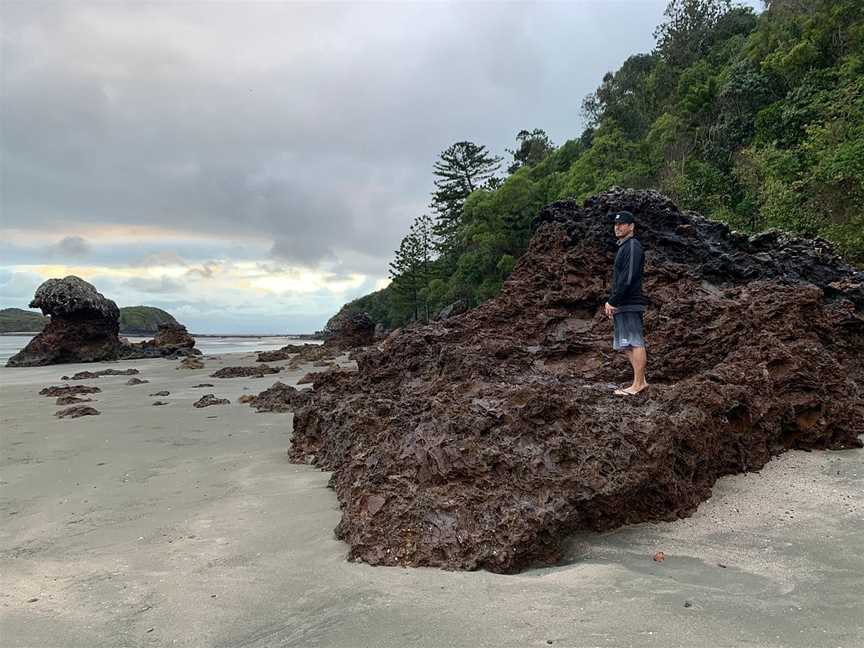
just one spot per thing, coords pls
(245, 372)
(191, 362)
(71, 400)
(77, 412)
(210, 399)
(86, 375)
(136, 381)
(161, 393)
(68, 390)
(156, 403)
(202, 385)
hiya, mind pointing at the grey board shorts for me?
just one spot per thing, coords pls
(628, 330)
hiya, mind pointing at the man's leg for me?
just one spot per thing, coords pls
(638, 359)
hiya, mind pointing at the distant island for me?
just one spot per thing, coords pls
(143, 320)
(18, 320)
(134, 320)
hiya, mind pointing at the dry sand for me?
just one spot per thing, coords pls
(176, 526)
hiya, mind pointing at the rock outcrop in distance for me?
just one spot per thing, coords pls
(348, 329)
(482, 440)
(171, 341)
(84, 327)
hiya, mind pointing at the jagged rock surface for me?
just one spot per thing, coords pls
(191, 363)
(257, 371)
(68, 390)
(171, 341)
(299, 353)
(71, 400)
(210, 399)
(278, 398)
(84, 326)
(482, 440)
(88, 375)
(77, 411)
(349, 329)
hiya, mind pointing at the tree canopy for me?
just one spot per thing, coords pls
(753, 120)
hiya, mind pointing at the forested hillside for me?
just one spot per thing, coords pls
(753, 120)
(143, 320)
(134, 320)
(18, 320)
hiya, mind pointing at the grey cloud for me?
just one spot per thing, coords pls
(160, 285)
(17, 288)
(205, 271)
(161, 258)
(71, 247)
(314, 125)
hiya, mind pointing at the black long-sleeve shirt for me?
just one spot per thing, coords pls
(626, 293)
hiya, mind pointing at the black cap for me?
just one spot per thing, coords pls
(622, 217)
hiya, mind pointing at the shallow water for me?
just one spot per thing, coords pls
(11, 344)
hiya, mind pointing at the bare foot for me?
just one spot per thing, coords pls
(631, 390)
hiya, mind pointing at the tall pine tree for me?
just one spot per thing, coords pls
(463, 168)
(410, 269)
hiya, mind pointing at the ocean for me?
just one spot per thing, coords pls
(11, 344)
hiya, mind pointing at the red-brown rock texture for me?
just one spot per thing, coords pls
(482, 440)
(84, 325)
(77, 412)
(349, 329)
(210, 399)
(256, 371)
(68, 390)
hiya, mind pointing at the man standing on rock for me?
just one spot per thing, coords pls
(626, 303)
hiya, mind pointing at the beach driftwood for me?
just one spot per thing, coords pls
(482, 440)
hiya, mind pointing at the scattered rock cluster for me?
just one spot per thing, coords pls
(481, 440)
(299, 354)
(172, 341)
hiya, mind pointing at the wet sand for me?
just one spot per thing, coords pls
(176, 526)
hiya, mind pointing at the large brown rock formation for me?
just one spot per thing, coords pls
(84, 325)
(349, 329)
(482, 440)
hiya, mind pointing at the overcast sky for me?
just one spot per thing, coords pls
(250, 167)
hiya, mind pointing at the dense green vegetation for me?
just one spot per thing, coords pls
(18, 320)
(754, 120)
(142, 320)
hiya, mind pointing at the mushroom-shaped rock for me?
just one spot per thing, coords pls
(84, 325)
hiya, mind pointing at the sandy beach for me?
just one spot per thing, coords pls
(177, 526)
